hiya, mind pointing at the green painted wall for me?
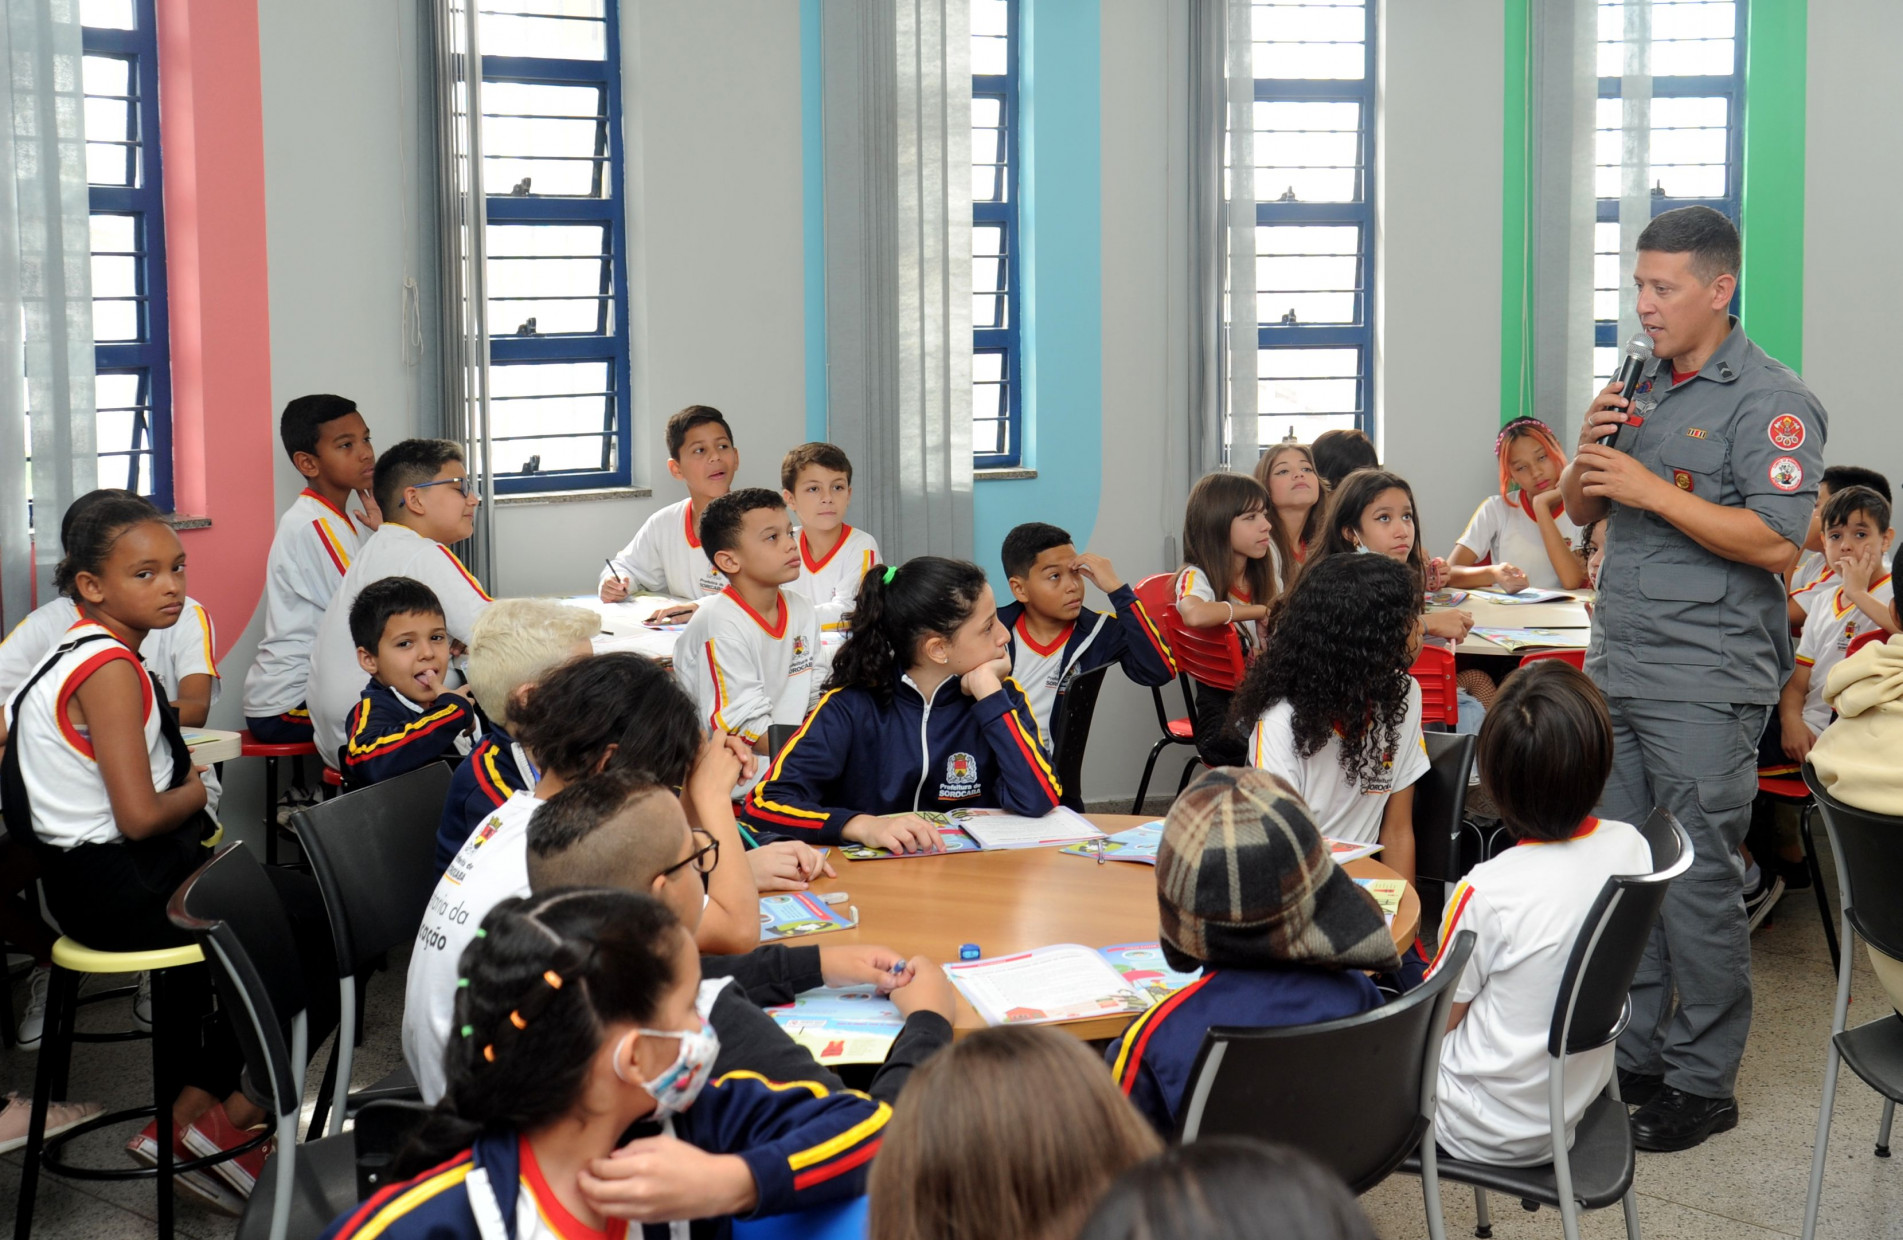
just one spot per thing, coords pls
(1516, 272)
(1771, 302)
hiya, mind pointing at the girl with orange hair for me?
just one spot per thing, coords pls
(1524, 530)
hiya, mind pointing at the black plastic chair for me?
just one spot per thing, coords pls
(1440, 812)
(1070, 733)
(1869, 849)
(1288, 1085)
(1589, 1012)
(373, 853)
(382, 1128)
(229, 906)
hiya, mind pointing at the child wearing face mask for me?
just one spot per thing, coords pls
(580, 1101)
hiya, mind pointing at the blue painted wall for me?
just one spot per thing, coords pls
(1062, 269)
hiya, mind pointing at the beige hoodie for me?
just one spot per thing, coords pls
(1857, 756)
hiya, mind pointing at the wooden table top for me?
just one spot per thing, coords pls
(1012, 901)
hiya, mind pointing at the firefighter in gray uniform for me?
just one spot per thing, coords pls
(1708, 494)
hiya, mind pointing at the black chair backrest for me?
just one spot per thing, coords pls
(1357, 1094)
(1440, 805)
(1590, 1009)
(382, 1128)
(1070, 733)
(777, 734)
(373, 852)
(230, 907)
(1869, 850)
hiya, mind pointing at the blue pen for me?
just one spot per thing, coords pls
(899, 968)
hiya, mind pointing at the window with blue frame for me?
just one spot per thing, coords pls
(1314, 146)
(997, 424)
(132, 357)
(1697, 135)
(558, 290)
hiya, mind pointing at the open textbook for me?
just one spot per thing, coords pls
(1386, 892)
(796, 914)
(1139, 844)
(1066, 982)
(850, 1024)
(1535, 639)
(1532, 594)
(980, 830)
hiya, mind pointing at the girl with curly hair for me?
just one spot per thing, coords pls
(1524, 529)
(1331, 706)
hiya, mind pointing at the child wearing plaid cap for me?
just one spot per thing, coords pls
(1246, 890)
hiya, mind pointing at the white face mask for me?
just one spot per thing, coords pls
(1362, 548)
(678, 1084)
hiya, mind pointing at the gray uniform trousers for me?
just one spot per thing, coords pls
(1691, 1000)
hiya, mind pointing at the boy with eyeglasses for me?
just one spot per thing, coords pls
(428, 501)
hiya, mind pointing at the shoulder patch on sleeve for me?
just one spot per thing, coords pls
(1787, 474)
(1787, 432)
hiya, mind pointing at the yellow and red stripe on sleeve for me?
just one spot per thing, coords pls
(339, 558)
(1033, 754)
(1130, 1056)
(467, 575)
(204, 627)
(359, 751)
(1155, 634)
(488, 774)
(375, 1216)
(774, 811)
(1463, 894)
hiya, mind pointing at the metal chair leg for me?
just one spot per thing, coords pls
(1143, 785)
(1832, 1061)
(270, 811)
(63, 992)
(1483, 1217)
(1189, 770)
(1817, 881)
(1883, 1129)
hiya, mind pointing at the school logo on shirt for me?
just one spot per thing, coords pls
(1849, 635)
(1787, 431)
(802, 660)
(961, 777)
(1786, 473)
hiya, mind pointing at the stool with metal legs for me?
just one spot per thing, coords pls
(250, 746)
(72, 961)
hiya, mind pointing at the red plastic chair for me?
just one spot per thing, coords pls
(1212, 657)
(1434, 669)
(1873, 637)
(1575, 657)
(1157, 592)
(250, 746)
(1792, 790)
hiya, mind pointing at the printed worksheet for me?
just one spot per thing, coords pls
(1045, 986)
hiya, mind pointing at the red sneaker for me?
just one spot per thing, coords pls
(201, 1186)
(144, 1148)
(213, 1133)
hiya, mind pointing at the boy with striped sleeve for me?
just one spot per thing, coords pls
(405, 719)
(428, 501)
(748, 656)
(1248, 894)
(318, 535)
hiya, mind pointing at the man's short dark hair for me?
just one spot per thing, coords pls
(381, 601)
(1025, 543)
(725, 517)
(1705, 234)
(1843, 477)
(824, 455)
(686, 420)
(1847, 503)
(410, 463)
(1546, 749)
(303, 421)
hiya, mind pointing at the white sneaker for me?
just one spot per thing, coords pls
(142, 1005)
(33, 1020)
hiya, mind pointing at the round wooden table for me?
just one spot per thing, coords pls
(1012, 901)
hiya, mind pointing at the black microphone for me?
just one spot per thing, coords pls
(1638, 351)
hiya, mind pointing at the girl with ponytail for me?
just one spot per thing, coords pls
(920, 714)
(578, 1020)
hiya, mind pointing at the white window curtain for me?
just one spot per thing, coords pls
(46, 333)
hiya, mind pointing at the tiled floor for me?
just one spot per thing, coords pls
(1747, 1184)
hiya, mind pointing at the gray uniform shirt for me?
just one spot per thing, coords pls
(1675, 622)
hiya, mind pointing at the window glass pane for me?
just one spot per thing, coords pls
(108, 14)
(561, 29)
(991, 152)
(114, 234)
(1309, 40)
(987, 239)
(513, 381)
(1308, 152)
(987, 275)
(987, 366)
(115, 276)
(1307, 239)
(561, 412)
(987, 111)
(990, 42)
(505, 98)
(1307, 381)
(115, 321)
(987, 184)
(987, 312)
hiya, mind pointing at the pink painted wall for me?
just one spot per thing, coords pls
(212, 128)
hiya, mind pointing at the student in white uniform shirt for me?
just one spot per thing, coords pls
(1524, 529)
(428, 500)
(816, 481)
(749, 656)
(1812, 573)
(1335, 712)
(618, 712)
(328, 444)
(1545, 750)
(665, 556)
(1857, 538)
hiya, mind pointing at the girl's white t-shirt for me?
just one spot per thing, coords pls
(1193, 582)
(1343, 807)
(1501, 531)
